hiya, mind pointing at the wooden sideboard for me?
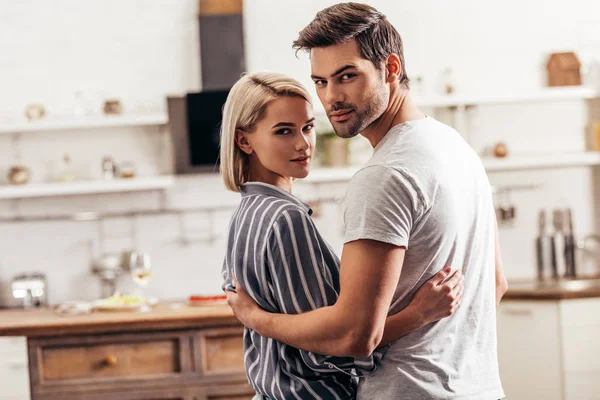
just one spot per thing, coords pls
(149, 356)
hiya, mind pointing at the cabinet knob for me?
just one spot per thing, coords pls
(111, 361)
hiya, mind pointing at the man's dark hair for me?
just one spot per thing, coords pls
(374, 34)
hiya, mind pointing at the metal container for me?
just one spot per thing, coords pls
(30, 290)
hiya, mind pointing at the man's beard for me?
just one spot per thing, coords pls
(363, 118)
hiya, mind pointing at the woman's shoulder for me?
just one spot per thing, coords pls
(271, 210)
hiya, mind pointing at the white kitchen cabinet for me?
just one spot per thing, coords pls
(14, 372)
(548, 349)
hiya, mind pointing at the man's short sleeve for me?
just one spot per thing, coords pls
(382, 204)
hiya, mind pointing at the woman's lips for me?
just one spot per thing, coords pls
(301, 161)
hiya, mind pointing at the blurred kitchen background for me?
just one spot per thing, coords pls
(99, 156)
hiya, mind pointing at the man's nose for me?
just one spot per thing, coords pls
(333, 95)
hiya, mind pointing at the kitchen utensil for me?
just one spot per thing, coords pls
(558, 219)
(570, 265)
(108, 267)
(545, 251)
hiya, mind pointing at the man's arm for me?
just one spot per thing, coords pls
(501, 283)
(354, 326)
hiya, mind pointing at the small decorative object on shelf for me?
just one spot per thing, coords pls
(108, 168)
(563, 69)
(112, 107)
(35, 111)
(447, 82)
(500, 150)
(67, 174)
(18, 175)
(127, 170)
(417, 86)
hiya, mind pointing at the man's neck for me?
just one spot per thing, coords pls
(401, 108)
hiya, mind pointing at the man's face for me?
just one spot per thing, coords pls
(352, 90)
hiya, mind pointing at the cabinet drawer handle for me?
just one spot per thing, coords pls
(111, 361)
(518, 312)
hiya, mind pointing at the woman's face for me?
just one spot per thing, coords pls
(282, 144)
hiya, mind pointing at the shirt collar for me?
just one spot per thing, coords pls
(254, 188)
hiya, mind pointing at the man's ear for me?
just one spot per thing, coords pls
(393, 68)
(241, 139)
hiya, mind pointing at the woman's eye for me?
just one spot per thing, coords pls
(308, 127)
(284, 131)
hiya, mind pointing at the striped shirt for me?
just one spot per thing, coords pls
(285, 265)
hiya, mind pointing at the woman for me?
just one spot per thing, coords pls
(274, 249)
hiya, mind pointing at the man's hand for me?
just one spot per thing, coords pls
(439, 297)
(243, 306)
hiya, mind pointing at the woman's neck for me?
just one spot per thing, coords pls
(261, 174)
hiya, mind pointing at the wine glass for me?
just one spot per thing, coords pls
(141, 272)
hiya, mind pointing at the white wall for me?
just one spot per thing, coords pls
(140, 51)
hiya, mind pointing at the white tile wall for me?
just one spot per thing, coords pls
(140, 51)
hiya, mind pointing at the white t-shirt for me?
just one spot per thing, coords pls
(425, 189)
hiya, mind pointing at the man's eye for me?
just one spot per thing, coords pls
(320, 82)
(345, 77)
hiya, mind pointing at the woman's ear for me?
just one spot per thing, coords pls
(241, 139)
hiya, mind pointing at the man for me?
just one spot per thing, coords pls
(423, 201)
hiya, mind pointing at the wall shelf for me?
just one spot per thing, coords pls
(569, 93)
(515, 163)
(86, 187)
(84, 123)
(519, 163)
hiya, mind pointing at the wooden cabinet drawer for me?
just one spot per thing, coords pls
(89, 363)
(110, 360)
(173, 393)
(221, 351)
(231, 392)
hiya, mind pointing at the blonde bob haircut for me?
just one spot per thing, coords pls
(246, 105)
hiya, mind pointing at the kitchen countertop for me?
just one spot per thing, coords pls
(45, 322)
(553, 290)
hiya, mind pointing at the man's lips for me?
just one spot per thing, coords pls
(340, 115)
(340, 112)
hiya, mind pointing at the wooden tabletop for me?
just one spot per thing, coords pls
(533, 290)
(163, 316)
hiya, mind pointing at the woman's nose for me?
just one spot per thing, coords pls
(303, 142)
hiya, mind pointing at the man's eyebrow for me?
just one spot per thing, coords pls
(339, 71)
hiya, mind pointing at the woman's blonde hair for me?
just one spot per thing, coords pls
(246, 105)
